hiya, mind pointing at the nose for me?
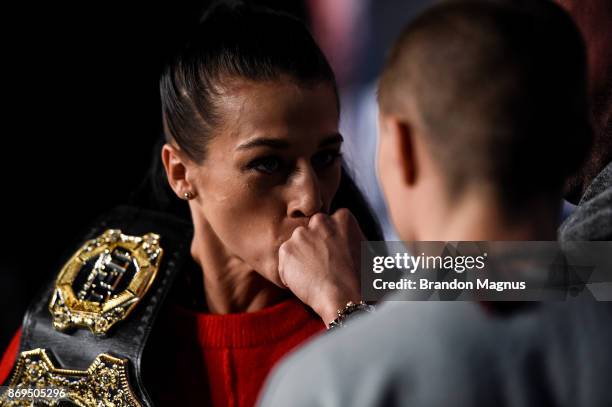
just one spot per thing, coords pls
(305, 199)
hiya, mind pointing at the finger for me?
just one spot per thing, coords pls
(322, 223)
(344, 218)
(347, 222)
(299, 234)
(284, 252)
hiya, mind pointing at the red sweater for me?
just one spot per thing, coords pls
(214, 360)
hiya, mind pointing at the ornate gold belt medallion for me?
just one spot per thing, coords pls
(98, 287)
(104, 383)
(103, 281)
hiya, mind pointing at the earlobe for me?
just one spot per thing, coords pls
(176, 171)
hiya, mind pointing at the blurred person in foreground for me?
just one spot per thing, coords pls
(473, 97)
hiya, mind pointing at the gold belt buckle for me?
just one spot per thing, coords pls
(98, 287)
(104, 383)
(104, 280)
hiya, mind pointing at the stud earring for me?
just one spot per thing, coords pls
(188, 195)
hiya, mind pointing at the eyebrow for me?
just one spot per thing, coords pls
(283, 144)
(331, 140)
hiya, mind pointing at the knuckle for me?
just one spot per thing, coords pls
(285, 249)
(299, 233)
(342, 215)
(282, 248)
(323, 226)
(317, 219)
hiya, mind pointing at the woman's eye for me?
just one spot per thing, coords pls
(326, 158)
(267, 165)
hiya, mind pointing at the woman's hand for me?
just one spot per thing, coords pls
(320, 262)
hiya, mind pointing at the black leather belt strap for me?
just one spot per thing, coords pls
(78, 348)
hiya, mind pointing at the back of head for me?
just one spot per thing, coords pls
(500, 89)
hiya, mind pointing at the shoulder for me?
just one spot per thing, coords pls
(592, 220)
(105, 297)
(393, 354)
(441, 353)
(10, 355)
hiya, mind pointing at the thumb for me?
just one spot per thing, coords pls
(282, 277)
(281, 268)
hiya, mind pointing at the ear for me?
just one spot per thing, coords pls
(177, 167)
(402, 138)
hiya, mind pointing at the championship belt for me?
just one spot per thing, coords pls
(83, 337)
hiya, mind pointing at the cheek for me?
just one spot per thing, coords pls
(248, 224)
(329, 185)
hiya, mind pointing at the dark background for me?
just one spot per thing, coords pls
(81, 115)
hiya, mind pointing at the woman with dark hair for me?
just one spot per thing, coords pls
(250, 112)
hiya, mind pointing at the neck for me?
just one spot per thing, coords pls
(230, 285)
(478, 218)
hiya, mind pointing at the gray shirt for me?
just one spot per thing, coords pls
(459, 354)
(592, 219)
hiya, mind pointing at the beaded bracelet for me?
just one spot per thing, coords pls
(349, 308)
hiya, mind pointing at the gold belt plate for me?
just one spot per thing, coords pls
(104, 383)
(104, 280)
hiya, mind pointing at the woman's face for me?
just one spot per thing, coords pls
(272, 163)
